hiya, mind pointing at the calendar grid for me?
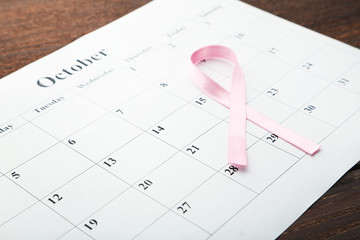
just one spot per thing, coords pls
(38, 201)
(282, 174)
(347, 119)
(134, 135)
(133, 186)
(230, 178)
(300, 110)
(61, 141)
(178, 150)
(306, 155)
(255, 197)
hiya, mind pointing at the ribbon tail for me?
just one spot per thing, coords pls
(237, 128)
(237, 151)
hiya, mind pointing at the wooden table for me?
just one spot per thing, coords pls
(31, 29)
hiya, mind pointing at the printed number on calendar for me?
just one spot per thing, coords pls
(231, 170)
(158, 130)
(145, 184)
(273, 91)
(55, 198)
(109, 162)
(310, 108)
(201, 101)
(15, 175)
(91, 224)
(273, 138)
(184, 207)
(193, 149)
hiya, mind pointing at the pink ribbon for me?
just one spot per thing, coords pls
(235, 100)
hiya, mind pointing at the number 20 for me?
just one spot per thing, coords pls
(145, 184)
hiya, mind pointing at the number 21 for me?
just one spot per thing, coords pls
(192, 149)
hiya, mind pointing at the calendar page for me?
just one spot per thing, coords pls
(108, 138)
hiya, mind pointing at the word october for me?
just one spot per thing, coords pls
(80, 64)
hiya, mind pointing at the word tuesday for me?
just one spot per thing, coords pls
(65, 73)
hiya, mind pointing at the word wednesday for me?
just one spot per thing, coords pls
(65, 73)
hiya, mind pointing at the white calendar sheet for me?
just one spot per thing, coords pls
(108, 138)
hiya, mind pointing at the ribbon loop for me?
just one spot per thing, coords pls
(235, 100)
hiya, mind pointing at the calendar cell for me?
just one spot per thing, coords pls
(349, 79)
(274, 140)
(184, 126)
(244, 52)
(222, 67)
(69, 117)
(173, 227)
(117, 89)
(123, 218)
(54, 167)
(151, 106)
(10, 126)
(75, 233)
(137, 158)
(329, 62)
(48, 105)
(297, 88)
(250, 93)
(303, 124)
(93, 140)
(255, 130)
(37, 222)
(219, 20)
(13, 200)
(180, 80)
(168, 60)
(211, 106)
(265, 164)
(215, 157)
(177, 30)
(271, 108)
(296, 47)
(201, 206)
(255, 33)
(197, 37)
(80, 198)
(181, 172)
(334, 105)
(21, 145)
(264, 71)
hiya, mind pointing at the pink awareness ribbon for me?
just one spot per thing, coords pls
(235, 100)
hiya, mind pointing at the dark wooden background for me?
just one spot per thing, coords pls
(31, 29)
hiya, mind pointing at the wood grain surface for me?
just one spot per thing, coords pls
(31, 29)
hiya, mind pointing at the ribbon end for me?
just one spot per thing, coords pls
(315, 149)
(238, 162)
